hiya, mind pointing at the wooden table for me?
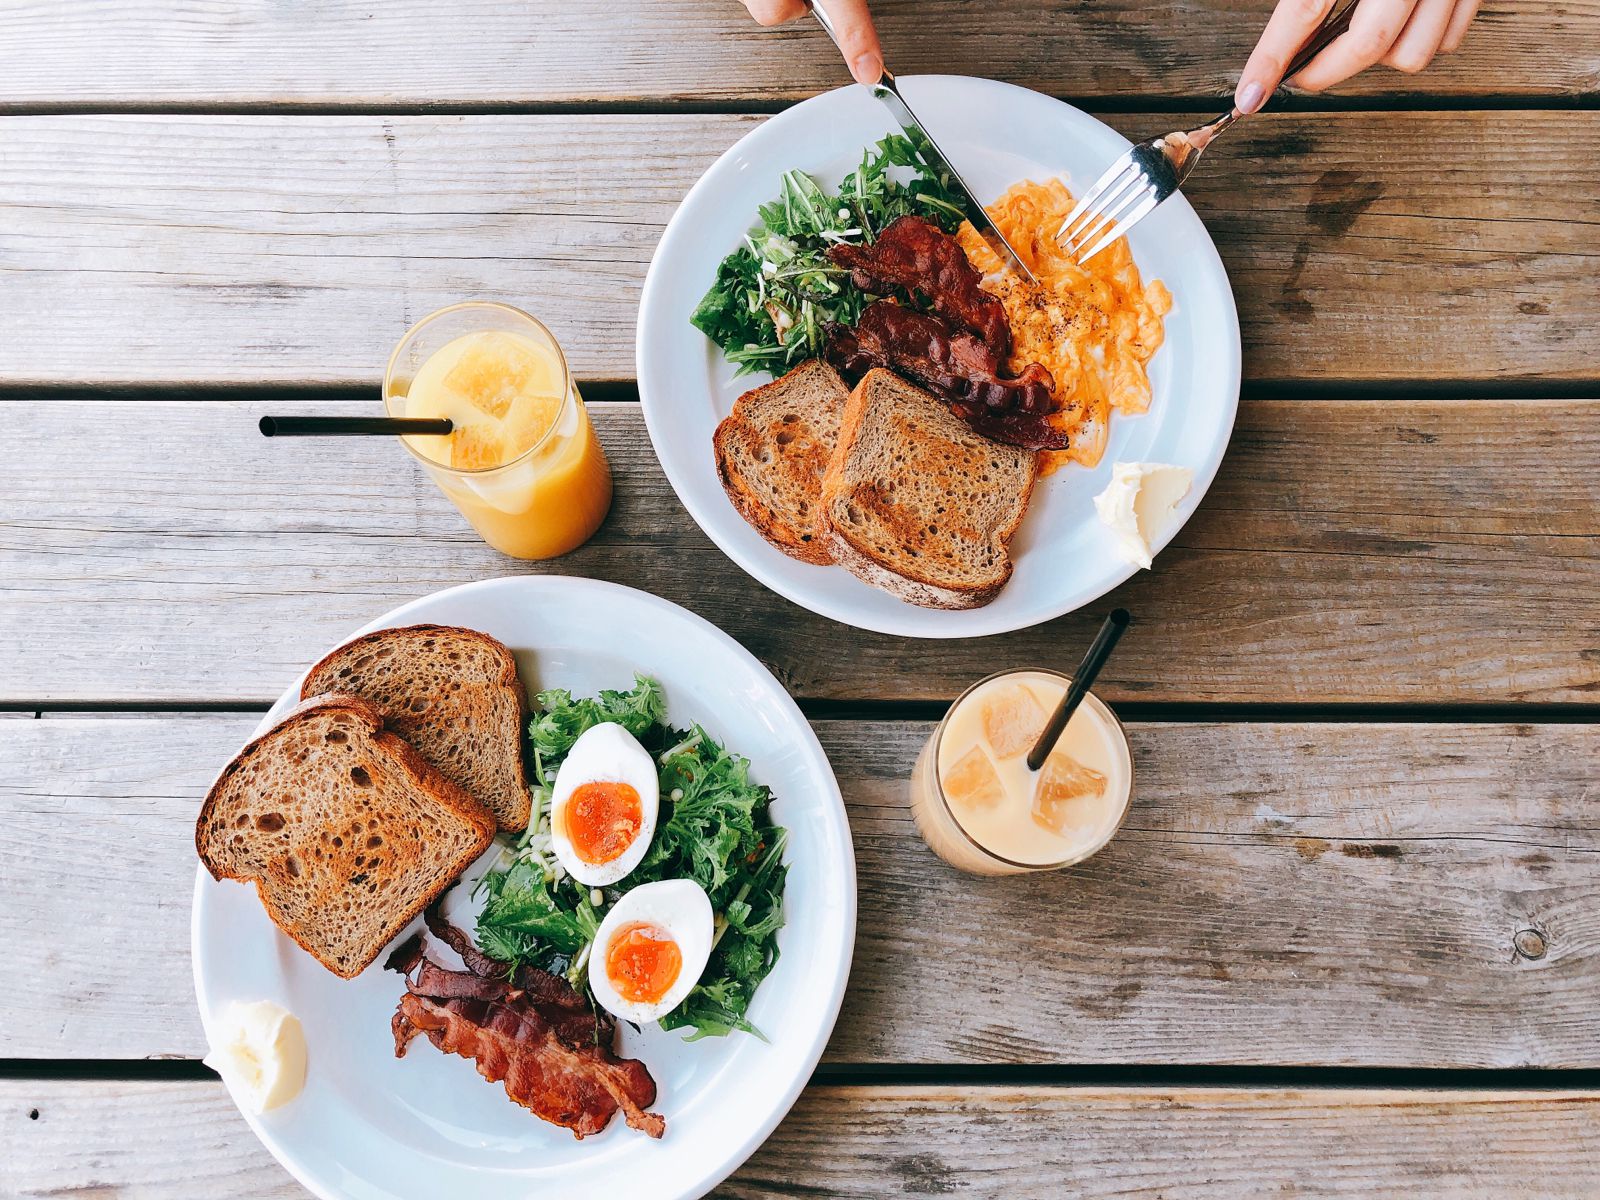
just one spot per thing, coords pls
(1349, 941)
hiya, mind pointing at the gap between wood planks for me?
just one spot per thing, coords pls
(1149, 712)
(999, 1075)
(1204, 106)
(626, 391)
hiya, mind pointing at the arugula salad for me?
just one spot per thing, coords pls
(775, 295)
(713, 828)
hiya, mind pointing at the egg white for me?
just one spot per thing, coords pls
(680, 908)
(606, 753)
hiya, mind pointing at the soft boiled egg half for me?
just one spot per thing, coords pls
(651, 949)
(603, 806)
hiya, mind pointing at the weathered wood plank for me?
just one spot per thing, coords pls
(166, 1141)
(483, 51)
(1349, 551)
(1360, 895)
(302, 247)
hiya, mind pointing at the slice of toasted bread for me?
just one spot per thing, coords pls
(917, 502)
(772, 451)
(452, 693)
(344, 829)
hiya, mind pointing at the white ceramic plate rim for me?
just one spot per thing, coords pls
(720, 1161)
(805, 136)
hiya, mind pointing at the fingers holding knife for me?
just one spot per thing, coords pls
(852, 27)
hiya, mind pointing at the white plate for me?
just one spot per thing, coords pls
(369, 1125)
(996, 134)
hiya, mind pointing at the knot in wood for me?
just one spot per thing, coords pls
(1529, 943)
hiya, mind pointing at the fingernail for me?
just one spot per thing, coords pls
(867, 68)
(1251, 96)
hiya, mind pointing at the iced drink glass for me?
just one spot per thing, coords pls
(978, 806)
(522, 462)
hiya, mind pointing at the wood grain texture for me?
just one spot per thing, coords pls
(1349, 551)
(173, 1141)
(304, 246)
(484, 51)
(1341, 894)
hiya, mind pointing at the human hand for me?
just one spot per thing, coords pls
(1403, 34)
(858, 40)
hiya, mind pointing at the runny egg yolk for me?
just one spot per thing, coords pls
(602, 819)
(642, 962)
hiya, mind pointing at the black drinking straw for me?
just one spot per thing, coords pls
(344, 426)
(1082, 680)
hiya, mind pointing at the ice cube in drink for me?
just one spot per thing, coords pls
(1013, 719)
(494, 370)
(1067, 796)
(972, 782)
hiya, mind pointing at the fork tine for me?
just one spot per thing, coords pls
(1140, 211)
(1093, 194)
(1104, 211)
(1110, 214)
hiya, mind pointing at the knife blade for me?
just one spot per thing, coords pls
(888, 91)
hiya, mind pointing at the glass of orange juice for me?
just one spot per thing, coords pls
(521, 462)
(981, 809)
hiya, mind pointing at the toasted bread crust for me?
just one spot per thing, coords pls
(756, 514)
(913, 591)
(901, 580)
(802, 466)
(512, 815)
(428, 780)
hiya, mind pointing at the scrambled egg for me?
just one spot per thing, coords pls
(1093, 327)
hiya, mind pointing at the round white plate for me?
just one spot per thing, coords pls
(427, 1126)
(996, 134)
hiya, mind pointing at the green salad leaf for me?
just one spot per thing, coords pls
(713, 827)
(562, 720)
(523, 914)
(775, 295)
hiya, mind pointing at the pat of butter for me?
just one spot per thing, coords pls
(1138, 504)
(261, 1049)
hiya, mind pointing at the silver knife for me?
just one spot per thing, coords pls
(886, 90)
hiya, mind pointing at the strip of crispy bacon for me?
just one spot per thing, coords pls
(543, 1042)
(477, 961)
(406, 955)
(915, 256)
(954, 366)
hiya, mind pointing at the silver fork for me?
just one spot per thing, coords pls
(1151, 171)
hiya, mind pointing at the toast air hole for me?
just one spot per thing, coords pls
(270, 822)
(359, 777)
(336, 737)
